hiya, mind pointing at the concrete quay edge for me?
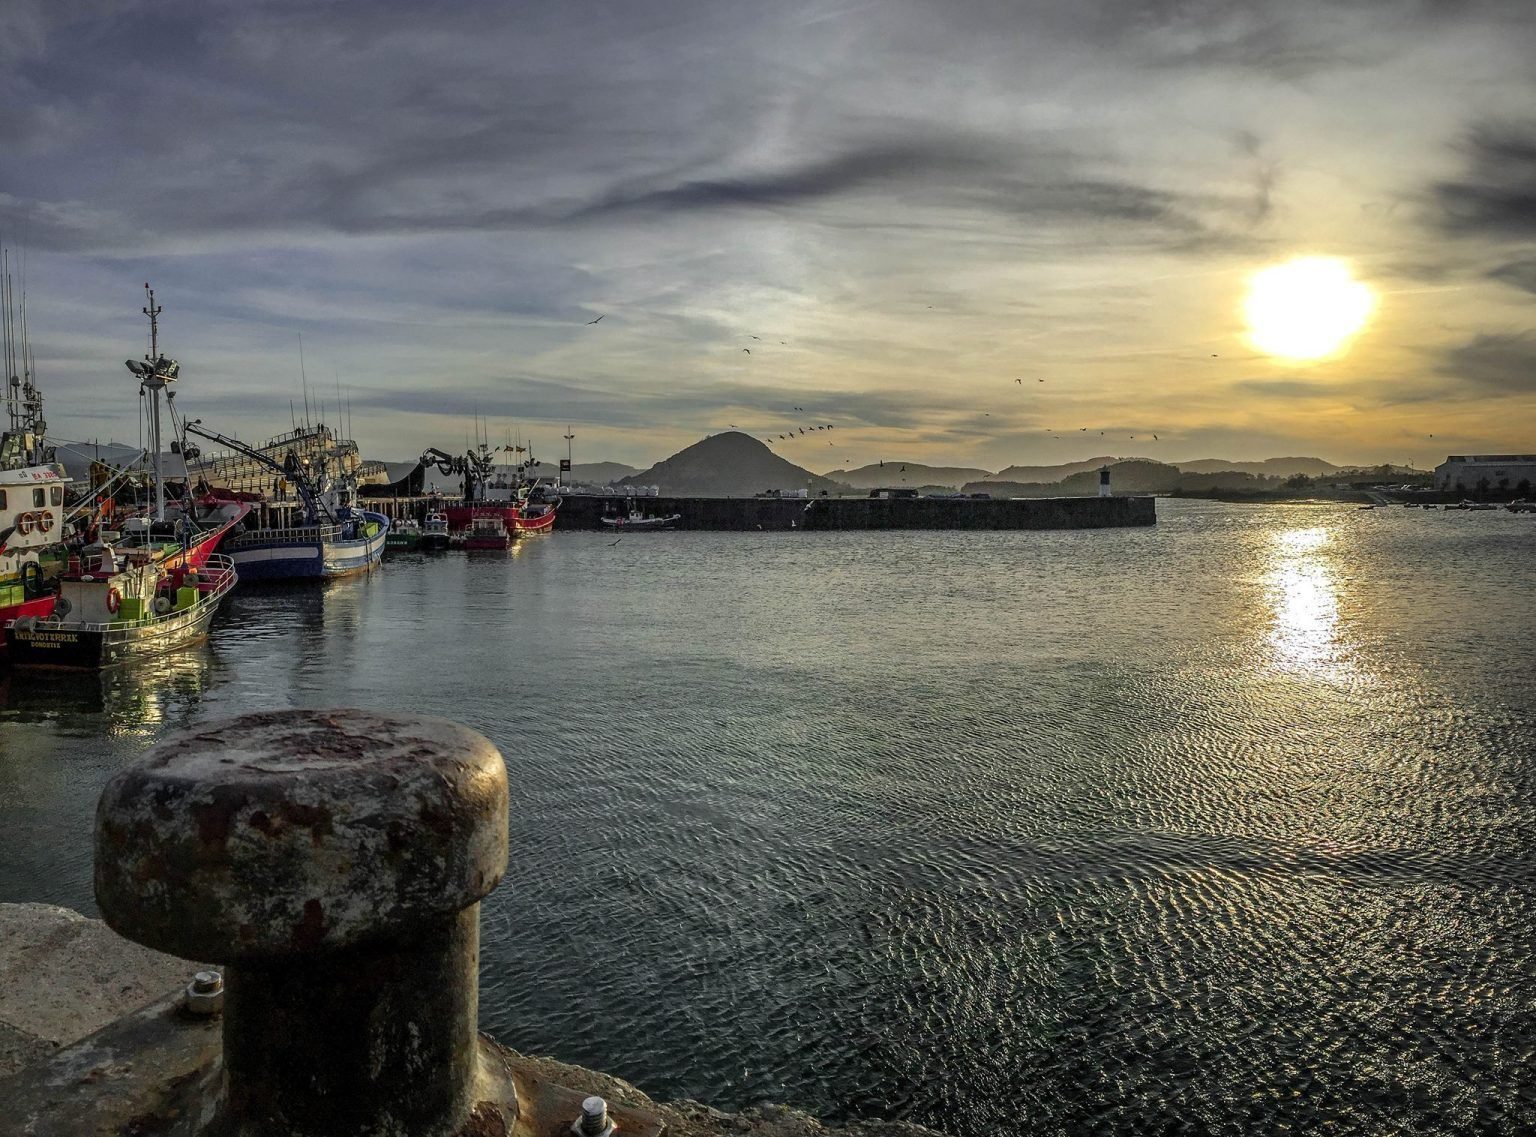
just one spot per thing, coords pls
(64, 976)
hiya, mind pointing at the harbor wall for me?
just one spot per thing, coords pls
(583, 511)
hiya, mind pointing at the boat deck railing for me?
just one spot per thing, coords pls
(212, 582)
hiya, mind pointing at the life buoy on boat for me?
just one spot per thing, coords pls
(25, 522)
(114, 600)
(45, 522)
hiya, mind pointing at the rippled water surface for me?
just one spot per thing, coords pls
(1224, 826)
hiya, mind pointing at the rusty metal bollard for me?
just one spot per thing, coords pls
(334, 862)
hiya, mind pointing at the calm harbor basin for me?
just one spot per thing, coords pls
(1225, 824)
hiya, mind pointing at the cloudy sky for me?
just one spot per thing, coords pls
(899, 208)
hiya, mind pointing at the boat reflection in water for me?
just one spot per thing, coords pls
(151, 696)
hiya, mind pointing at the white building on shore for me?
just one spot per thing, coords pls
(1503, 471)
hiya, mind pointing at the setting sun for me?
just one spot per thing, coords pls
(1306, 308)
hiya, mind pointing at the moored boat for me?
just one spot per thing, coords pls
(115, 614)
(434, 533)
(534, 516)
(331, 538)
(403, 537)
(31, 480)
(488, 531)
(636, 519)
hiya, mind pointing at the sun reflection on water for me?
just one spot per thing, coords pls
(1303, 594)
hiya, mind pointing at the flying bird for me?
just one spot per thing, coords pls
(1154, 438)
(1039, 380)
(591, 322)
(754, 337)
(611, 544)
(748, 350)
(1020, 382)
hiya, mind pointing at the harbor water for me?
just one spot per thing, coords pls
(1223, 826)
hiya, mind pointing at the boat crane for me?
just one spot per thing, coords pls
(475, 467)
(292, 469)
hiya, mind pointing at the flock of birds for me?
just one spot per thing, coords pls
(795, 433)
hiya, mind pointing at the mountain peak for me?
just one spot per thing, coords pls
(731, 464)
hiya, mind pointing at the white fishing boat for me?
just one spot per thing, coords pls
(637, 519)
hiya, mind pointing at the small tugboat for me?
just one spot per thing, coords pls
(636, 519)
(434, 533)
(488, 532)
(113, 615)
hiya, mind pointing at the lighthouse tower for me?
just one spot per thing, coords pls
(1104, 481)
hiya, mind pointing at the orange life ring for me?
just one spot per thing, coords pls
(25, 522)
(114, 600)
(45, 522)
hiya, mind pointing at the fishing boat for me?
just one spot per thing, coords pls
(403, 537)
(328, 538)
(488, 531)
(31, 480)
(636, 519)
(534, 516)
(117, 613)
(434, 533)
(178, 533)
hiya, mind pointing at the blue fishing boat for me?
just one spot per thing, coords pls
(330, 536)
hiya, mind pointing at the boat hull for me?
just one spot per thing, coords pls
(93, 646)
(87, 650)
(539, 523)
(294, 554)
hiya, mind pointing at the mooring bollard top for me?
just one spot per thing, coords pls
(291, 831)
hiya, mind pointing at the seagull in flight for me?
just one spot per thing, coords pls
(1020, 382)
(748, 350)
(589, 324)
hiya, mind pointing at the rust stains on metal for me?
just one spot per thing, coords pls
(485, 1120)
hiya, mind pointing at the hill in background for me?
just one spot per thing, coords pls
(1269, 468)
(1051, 473)
(600, 473)
(729, 465)
(906, 474)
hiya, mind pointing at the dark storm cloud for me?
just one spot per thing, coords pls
(1496, 197)
(1520, 274)
(1498, 362)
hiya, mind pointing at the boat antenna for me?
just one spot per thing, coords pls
(292, 417)
(304, 379)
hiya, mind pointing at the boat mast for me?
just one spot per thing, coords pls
(154, 373)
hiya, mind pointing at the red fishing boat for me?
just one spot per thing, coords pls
(535, 517)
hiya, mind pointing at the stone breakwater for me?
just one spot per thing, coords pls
(64, 976)
(584, 511)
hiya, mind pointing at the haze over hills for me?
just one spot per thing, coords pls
(730, 464)
(906, 473)
(1268, 468)
(600, 473)
(1053, 473)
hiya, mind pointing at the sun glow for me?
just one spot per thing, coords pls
(1306, 308)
